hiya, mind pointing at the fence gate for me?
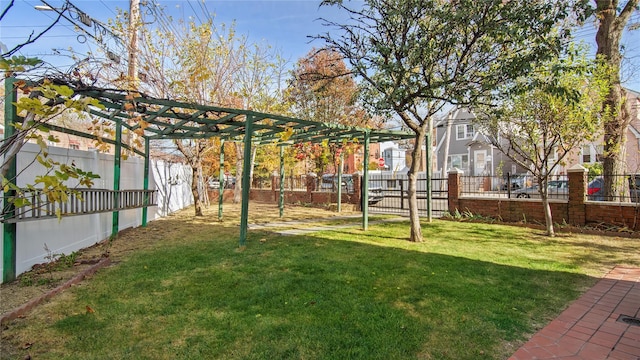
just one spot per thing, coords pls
(396, 200)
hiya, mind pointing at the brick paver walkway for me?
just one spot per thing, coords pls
(592, 327)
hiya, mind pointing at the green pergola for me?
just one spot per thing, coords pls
(169, 119)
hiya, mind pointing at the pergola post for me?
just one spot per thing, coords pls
(9, 228)
(246, 181)
(281, 197)
(115, 224)
(221, 180)
(428, 169)
(365, 182)
(145, 183)
(340, 182)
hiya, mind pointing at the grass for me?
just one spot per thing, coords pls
(471, 291)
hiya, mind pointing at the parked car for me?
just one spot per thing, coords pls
(229, 182)
(329, 182)
(556, 189)
(517, 182)
(595, 189)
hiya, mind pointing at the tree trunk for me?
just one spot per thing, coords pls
(416, 162)
(544, 195)
(615, 112)
(197, 202)
(237, 191)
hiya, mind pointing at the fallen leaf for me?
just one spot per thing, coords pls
(90, 310)
(26, 346)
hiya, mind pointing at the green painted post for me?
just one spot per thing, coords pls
(246, 184)
(281, 198)
(365, 182)
(428, 170)
(340, 183)
(145, 184)
(9, 229)
(116, 179)
(221, 181)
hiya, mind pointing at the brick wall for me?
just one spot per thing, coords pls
(308, 196)
(576, 211)
(513, 210)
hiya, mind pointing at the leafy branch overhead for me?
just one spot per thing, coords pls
(36, 107)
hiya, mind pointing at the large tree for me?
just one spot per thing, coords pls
(206, 63)
(323, 89)
(418, 56)
(612, 18)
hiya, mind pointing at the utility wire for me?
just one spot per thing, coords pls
(194, 11)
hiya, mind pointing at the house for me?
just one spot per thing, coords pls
(394, 157)
(591, 153)
(633, 133)
(468, 149)
(471, 151)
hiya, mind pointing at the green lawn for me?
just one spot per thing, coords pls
(471, 291)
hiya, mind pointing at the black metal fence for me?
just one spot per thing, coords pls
(526, 187)
(396, 197)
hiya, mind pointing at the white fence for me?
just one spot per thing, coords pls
(171, 180)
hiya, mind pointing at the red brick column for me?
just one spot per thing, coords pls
(455, 189)
(577, 195)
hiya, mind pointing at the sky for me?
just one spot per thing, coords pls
(284, 24)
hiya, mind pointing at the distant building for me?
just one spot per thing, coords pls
(468, 149)
(394, 158)
(591, 152)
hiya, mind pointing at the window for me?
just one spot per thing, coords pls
(458, 161)
(599, 153)
(586, 154)
(464, 131)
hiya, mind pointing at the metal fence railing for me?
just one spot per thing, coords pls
(628, 188)
(79, 202)
(526, 187)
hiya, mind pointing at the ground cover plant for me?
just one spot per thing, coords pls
(471, 291)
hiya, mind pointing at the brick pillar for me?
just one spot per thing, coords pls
(577, 195)
(455, 189)
(357, 191)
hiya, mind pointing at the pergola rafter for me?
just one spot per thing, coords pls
(174, 119)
